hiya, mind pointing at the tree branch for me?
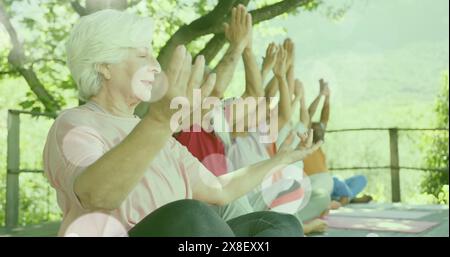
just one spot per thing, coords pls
(189, 32)
(78, 8)
(271, 11)
(215, 44)
(60, 61)
(267, 12)
(212, 24)
(13, 72)
(133, 3)
(17, 46)
(96, 5)
(17, 59)
(213, 47)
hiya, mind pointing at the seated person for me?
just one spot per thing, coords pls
(247, 148)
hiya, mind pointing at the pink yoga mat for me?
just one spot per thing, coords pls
(384, 214)
(375, 224)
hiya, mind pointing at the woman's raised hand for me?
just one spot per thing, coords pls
(179, 81)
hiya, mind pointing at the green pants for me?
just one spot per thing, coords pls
(191, 218)
(320, 199)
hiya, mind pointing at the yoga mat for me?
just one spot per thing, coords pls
(403, 206)
(377, 213)
(426, 207)
(375, 224)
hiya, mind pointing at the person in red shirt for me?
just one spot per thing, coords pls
(206, 147)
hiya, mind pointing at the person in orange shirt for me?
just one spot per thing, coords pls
(316, 162)
(315, 167)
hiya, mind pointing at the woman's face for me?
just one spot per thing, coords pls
(134, 77)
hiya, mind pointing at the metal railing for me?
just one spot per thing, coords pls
(394, 157)
(14, 170)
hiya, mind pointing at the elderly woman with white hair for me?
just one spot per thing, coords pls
(116, 174)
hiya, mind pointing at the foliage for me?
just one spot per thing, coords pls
(45, 25)
(436, 183)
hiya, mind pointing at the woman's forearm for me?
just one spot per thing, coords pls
(241, 181)
(284, 111)
(290, 77)
(253, 81)
(225, 70)
(304, 114)
(227, 188)
(325, 114)
(264, 73)
(313, 106)
(271, 88)
(106, 183)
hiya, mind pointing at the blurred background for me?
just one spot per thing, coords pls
(386, 62)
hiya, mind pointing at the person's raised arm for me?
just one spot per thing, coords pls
(325, 114)
(106, 183)
(269, 61)
(272, 88)
(229, 187)
(284, 105)
(289, 46)
(253, 80)
(238, 33)
(313, 106)
(300, 94)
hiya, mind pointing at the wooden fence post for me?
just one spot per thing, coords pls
(395, 170)
(13, 166)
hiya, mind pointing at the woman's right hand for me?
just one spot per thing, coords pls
(179, 80)
(291, 152)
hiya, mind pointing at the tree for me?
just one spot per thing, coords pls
(38, 57)
(437, 155)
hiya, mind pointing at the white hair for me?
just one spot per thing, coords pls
(103, 37)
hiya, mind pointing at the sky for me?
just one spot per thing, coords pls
(381, 52)
(400, 43)
(371, 25)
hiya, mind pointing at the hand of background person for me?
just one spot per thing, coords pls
(238, 31)
(270, 58)
(324, 89)
(289, 46)
(280, 67)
